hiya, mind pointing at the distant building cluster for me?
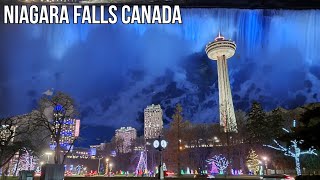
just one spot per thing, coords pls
(153, 122)
(126, 135)
(80, 153)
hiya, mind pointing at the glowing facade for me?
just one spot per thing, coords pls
(153, 123)
(126, 135)
(220, 50)
(69, 132)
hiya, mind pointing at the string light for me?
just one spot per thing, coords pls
(220, 161)
(293, 151)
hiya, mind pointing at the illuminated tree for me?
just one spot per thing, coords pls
(293, 151)
(220, 161)
(16, 134)
(54, 113)
(253, 162)
(142, 164)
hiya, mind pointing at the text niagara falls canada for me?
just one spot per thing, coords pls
(91, 14)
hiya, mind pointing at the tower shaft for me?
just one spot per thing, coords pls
(227, 115)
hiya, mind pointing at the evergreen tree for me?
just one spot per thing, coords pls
(257, 125)
(253, 162)
(177, 128)
(275, 124)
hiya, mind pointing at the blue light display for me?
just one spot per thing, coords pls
(58, 108)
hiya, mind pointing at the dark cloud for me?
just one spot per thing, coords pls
(308, 84)
(315, 70)
(115, 71)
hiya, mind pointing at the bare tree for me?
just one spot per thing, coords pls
(16, 134)
(52, 112)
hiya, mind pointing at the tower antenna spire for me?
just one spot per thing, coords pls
(221, 50)
(219, 37)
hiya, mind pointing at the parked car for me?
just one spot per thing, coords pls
(168, 173)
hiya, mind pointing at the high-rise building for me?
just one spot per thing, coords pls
(221, 50)
(124, 137)
(69, 131)
(153, 123)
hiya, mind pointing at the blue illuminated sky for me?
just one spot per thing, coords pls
(115, 71)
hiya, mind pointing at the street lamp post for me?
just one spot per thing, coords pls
(48, 154)
(107, 166)
(160, 144)
(265, 159)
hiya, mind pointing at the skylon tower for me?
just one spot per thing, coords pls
(221, 50)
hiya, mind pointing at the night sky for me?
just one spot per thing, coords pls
(115, 71)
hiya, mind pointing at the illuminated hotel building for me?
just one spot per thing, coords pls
(69, 132)
(153, 123)
(221, 50)
(125, 135)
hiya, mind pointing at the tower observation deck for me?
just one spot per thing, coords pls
(221, 50)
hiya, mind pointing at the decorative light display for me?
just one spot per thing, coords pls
(188, 170)
(38, 169)
(102, 168)
(26, 162)
(79, 168)
(142, 164)
(164, 167)
(260, 170)
(236, 172)
(253, 162)
(214, 169)
(293, 151)
(220, 161)
(182, 171)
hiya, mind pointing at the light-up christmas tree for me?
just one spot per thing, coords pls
(182, 171)
(253, 162)
(142, 164)
(214, 169)
(220, 161)
(293, 150)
